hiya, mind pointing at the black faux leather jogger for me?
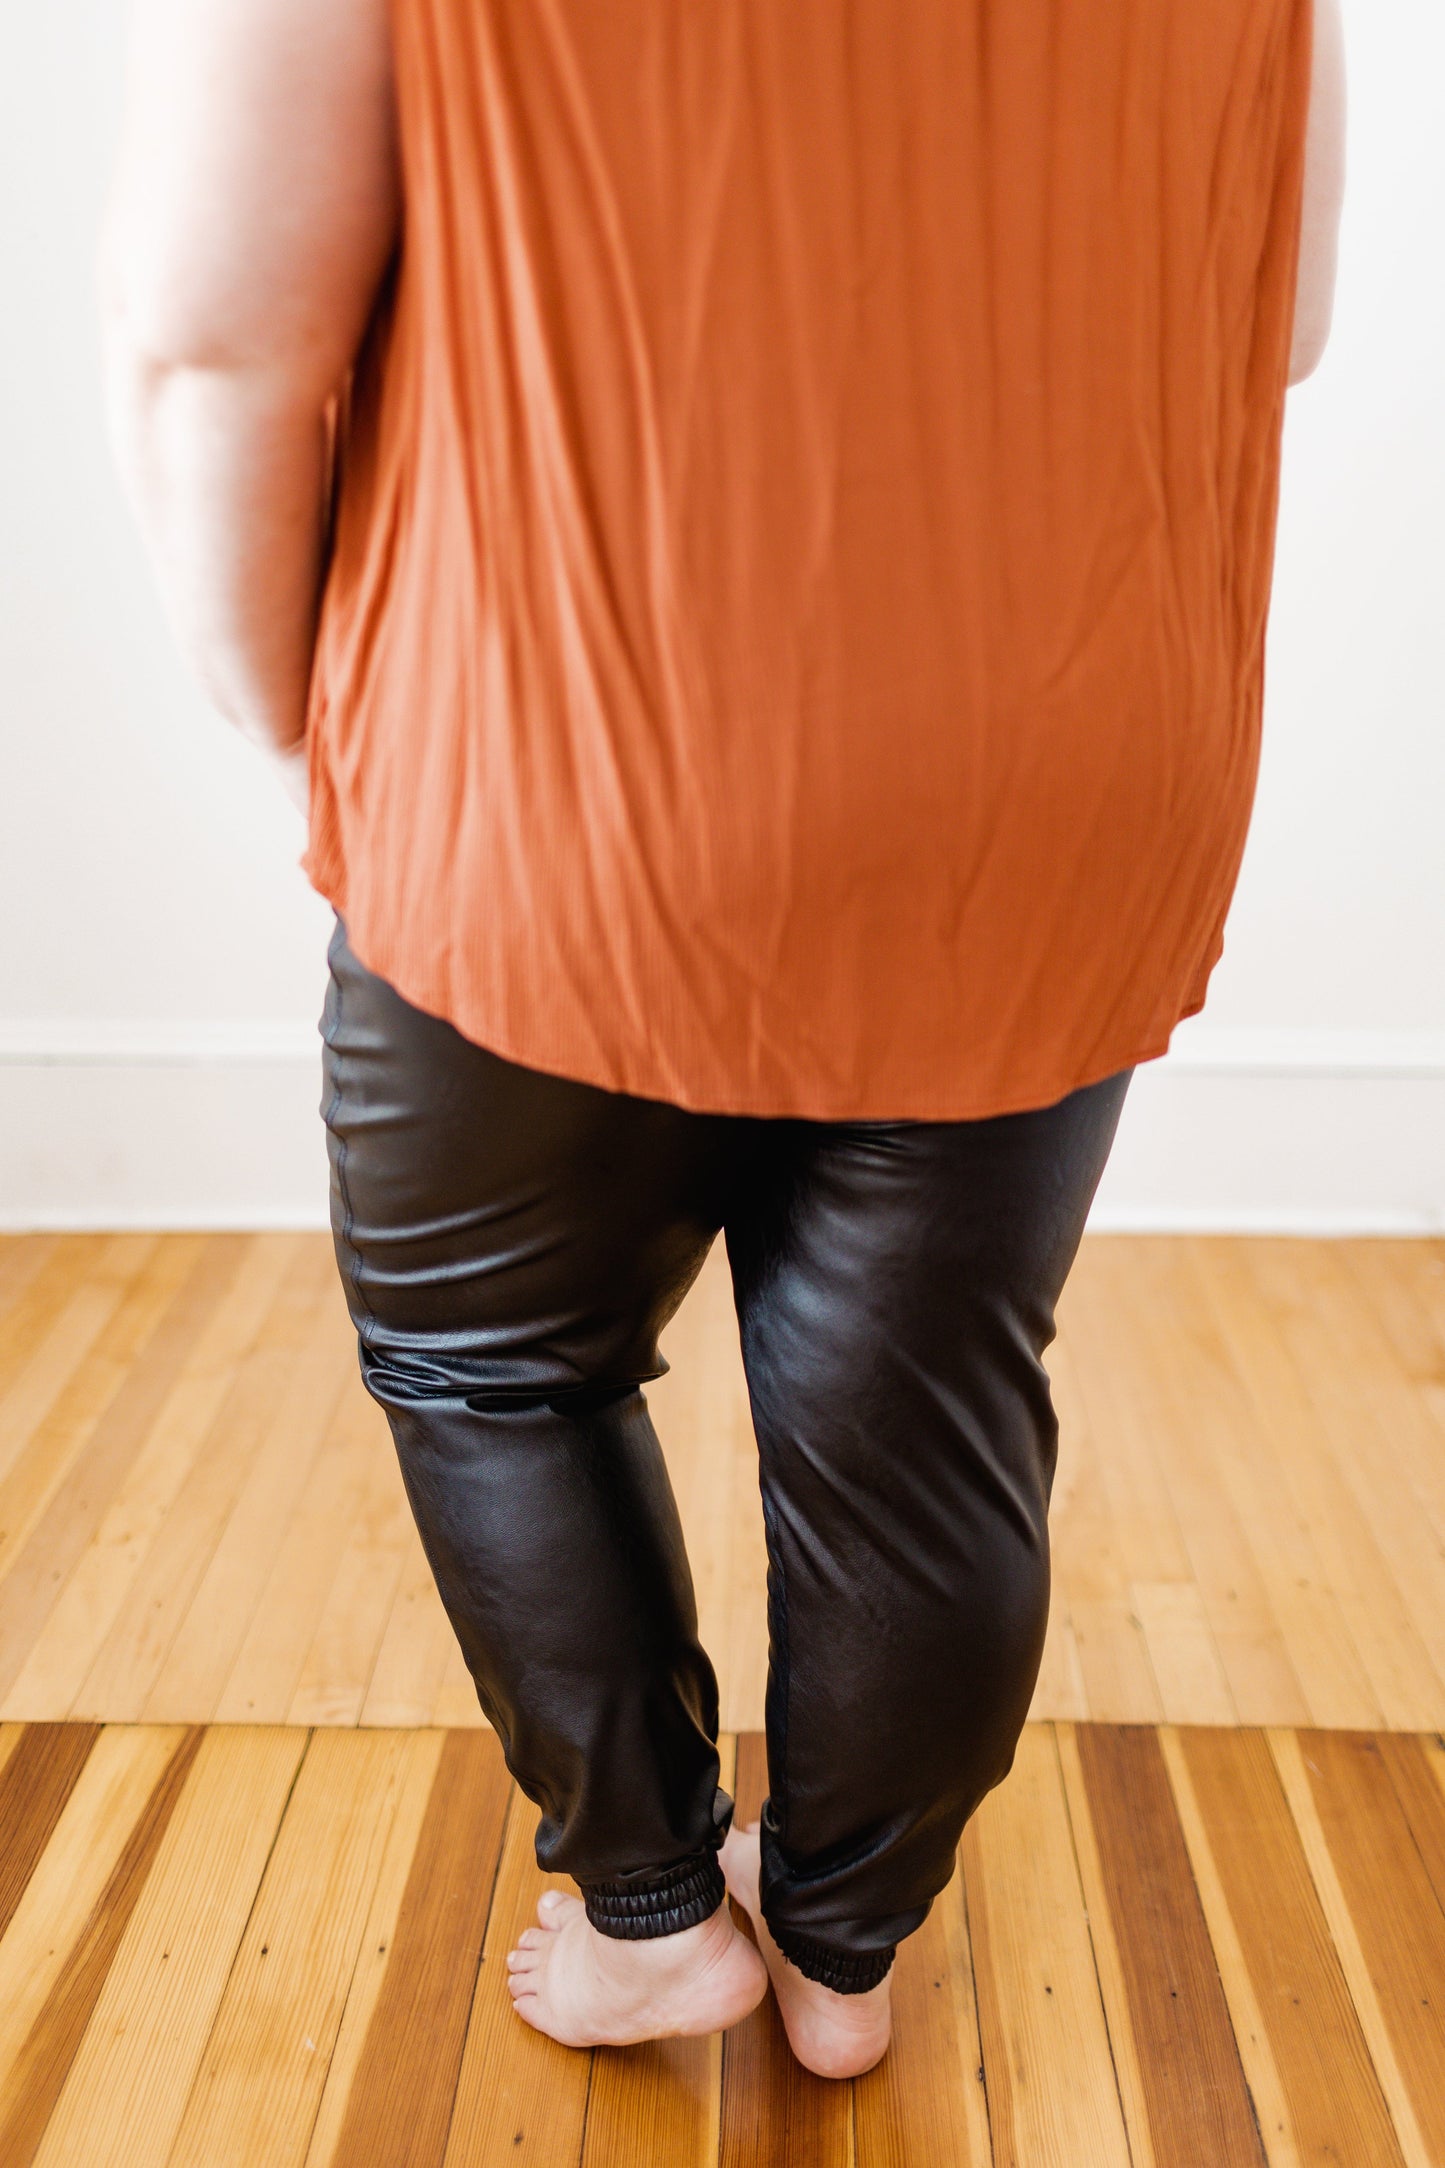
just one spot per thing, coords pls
(512, 1243)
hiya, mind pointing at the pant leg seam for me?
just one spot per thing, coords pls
(365, 1325)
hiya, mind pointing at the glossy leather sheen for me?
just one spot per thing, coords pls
(512, 1244)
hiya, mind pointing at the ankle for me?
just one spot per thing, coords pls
(685, 1948)
(860, 2011)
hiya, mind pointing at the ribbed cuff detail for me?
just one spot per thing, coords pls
(637, 1908)
(843, 1972)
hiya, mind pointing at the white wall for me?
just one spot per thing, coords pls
(162, 961)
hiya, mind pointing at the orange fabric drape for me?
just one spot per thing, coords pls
(794, 638)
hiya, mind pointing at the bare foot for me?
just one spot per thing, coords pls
(836, 2036)
(591, 1990)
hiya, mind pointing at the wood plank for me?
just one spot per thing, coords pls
(336, 1669)
(1047, 2069)
(1374, 1436)
(1090, 1571)
(10, 1737)
(1379, 1396)
(1183, 1652)
(34, 2082)
(84, 1610)
(193, 1468)
(1289, 1760)
(400, 2106)
(193, 1676)
(1256, 2050)
(1119, 1681)
(772, 2108)
(1353, 1644)
(1257, 1892)
(660, 2101)
(1403, 1284)
(123, 2100)
(22, 1258)
(421, 1753)
(1433, 1749)
(969, 2032)
(70, 1880)
(1258, 1434)
(456, 1705)
(259, 2086)
(263, 1677)
(65, 1315)
(1194, 2084)
(1108, 1963)
(1421, 1800)
(1249, 1460)
(65, 1529)
(925, 2100)
(415, 1646)
(1148, 1390)
(40, 1773)
(1107, 1309)
(1402, 1278)
(1397, 1916)
(521, 2098)
(1059, 1690)
(40, 1464)
(1178, 1394)
(39, 1295)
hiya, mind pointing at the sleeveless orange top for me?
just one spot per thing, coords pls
(794, 637)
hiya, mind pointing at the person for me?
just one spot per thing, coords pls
(749, 529)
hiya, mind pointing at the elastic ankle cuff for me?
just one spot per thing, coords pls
(638, 1907)
(841, 1970)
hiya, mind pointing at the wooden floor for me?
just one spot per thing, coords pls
(249, 1947)
(202, 1521)
(260, 1863)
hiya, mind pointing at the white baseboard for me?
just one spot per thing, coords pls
(149, 1143)
(1312, 1152)
(217, 1125)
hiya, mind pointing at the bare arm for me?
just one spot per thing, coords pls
(253, 213)
(1324, 184)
